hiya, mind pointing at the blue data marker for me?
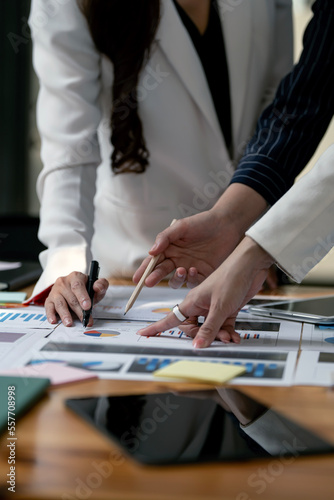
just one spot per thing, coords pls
(142, 361)
(152, 366)
(259, 372)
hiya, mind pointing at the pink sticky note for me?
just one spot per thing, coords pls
(58, 373)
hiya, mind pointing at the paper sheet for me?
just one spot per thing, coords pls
(315, 368)
(318, 338)
(58, 373)
(18, 346)
(112, 349)
(255, 334)
(152, 304)
(12, 298)
(24, 317)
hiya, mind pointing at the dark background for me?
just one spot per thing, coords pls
(15, 87)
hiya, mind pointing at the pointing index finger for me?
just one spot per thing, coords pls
(160, 326)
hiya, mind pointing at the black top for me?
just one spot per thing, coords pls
(210, 48)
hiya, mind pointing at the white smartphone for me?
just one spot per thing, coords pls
(317, 310)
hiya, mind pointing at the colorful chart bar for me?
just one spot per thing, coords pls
(26, 317)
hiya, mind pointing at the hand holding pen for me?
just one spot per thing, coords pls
(93, 275)
(69, 297)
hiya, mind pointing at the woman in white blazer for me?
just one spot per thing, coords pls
(89, 210)
(296, 233)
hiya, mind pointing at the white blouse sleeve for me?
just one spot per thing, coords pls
(68, 114)
(298, 231)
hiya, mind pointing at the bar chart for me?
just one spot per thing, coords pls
(24, 318)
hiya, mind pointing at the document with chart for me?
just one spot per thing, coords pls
(112, 349)
(24, 317)
(316, 361)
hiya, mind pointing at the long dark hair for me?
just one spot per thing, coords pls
(124, 30)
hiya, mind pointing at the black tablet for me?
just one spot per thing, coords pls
(319, 310)
(210, 426)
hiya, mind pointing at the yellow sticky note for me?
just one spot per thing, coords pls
(200, 371)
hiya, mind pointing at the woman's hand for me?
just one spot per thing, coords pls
(220, 297)
(68, 297)
(194, 247)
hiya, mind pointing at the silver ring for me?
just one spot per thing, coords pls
(176, 310)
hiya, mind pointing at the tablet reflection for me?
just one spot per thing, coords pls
(217, 425)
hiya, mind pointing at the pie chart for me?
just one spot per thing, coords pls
(101, 333)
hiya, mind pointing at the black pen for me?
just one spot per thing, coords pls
(93, 275)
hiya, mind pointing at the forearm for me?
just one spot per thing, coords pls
(246, 409)
(298, 230)
(248, 259)
(66, 227)
(202, 242)
(239, 206)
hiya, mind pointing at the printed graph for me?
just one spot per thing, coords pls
(175, 333)
(252, 339)
(318, 337)
(327, 330)
(166, 336)
(96, 366)
(141, 311)
(254, 369)
(111, 308)
(10, 337)
(101, 333)
(248, 336)
(28, 319)
(162, 310)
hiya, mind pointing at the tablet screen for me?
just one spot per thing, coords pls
(320, 306)
(216, 425)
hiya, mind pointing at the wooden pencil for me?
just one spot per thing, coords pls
(151, 265)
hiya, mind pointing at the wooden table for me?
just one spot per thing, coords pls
(59, 456)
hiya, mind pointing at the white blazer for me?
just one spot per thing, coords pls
(298, 231)
(189, 163)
